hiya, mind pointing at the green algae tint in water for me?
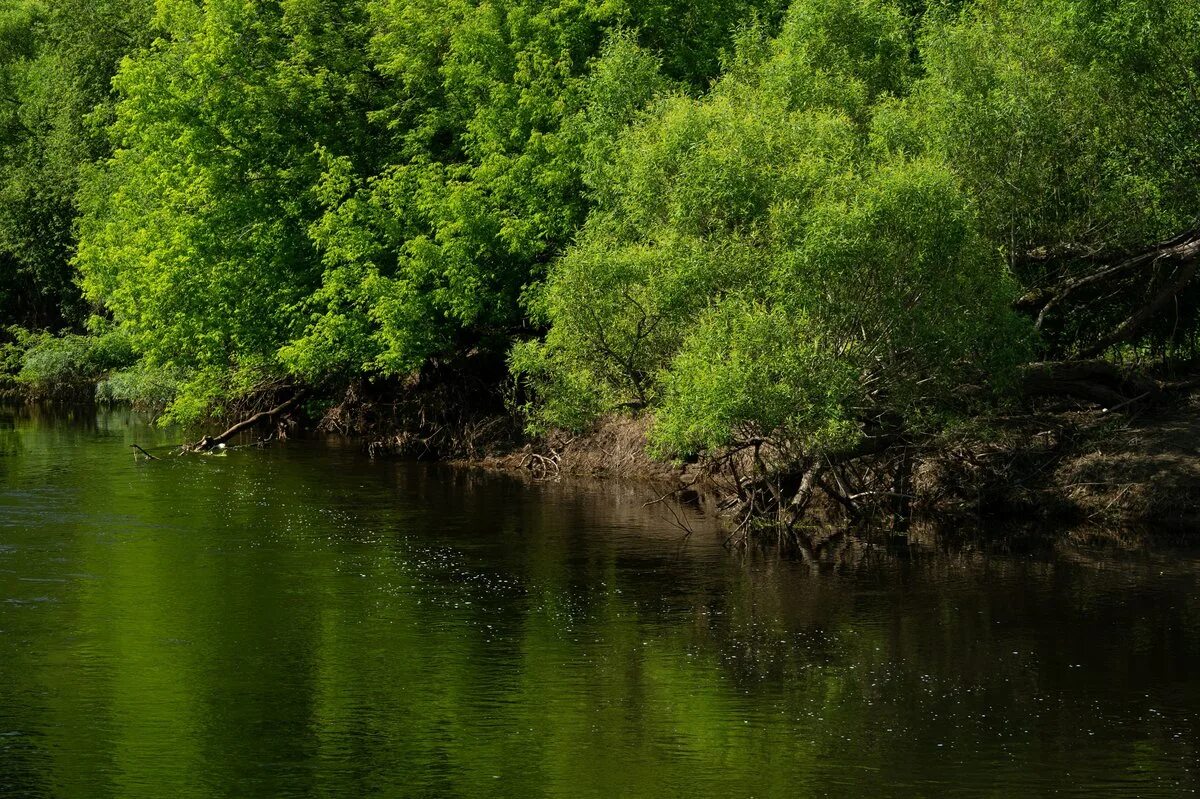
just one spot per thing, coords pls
(301, 621)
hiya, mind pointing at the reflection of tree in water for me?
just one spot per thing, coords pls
(10, 439)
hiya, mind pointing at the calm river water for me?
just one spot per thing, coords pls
(302, 621)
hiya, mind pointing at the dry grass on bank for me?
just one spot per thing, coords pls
(615, 448)
(1146, 470)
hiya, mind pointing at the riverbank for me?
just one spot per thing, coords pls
(1117, 470)
(1059, 461)
(1070, 466)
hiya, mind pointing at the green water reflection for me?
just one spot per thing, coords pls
(301, 621)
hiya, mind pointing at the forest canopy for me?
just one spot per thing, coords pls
(810, 222)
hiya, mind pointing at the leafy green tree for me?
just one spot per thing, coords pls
(306, 190)
(314, 191)
(1074, 127)
(761, 273)
(195, 232)
(431, 256)
(499, 111)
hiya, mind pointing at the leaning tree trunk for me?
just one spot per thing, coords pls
(1179, 256)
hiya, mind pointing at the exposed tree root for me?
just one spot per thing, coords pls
(1020, 467)
(451, 410)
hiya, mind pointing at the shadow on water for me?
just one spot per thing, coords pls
(301, 621)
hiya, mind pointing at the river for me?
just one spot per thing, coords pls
(303, 621)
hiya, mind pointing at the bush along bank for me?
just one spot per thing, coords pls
(100, 366)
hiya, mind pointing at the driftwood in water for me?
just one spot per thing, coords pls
(211, 442)
(144, 452)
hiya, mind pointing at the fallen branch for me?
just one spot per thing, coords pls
(1092, 381)
(210, 442)
(1182, 249)
(681, 489)
(1189, 384)
(883, 494)
(144, 452)
(1128, 329)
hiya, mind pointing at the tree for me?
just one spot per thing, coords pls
(760, 273)
(195, 232)
(317, 191)
(1075, 129)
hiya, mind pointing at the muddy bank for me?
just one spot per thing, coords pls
(1139, 470)
(1063, 458)
(616, 448)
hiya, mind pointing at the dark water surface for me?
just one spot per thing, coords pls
(301, 621)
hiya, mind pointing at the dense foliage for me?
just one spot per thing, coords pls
(804, 222)
(759, 270)
(56, 65)
(330, 189)
(1074, 127)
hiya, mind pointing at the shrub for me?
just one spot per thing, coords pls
(144, 386)
(70, 365)
(759, 271)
